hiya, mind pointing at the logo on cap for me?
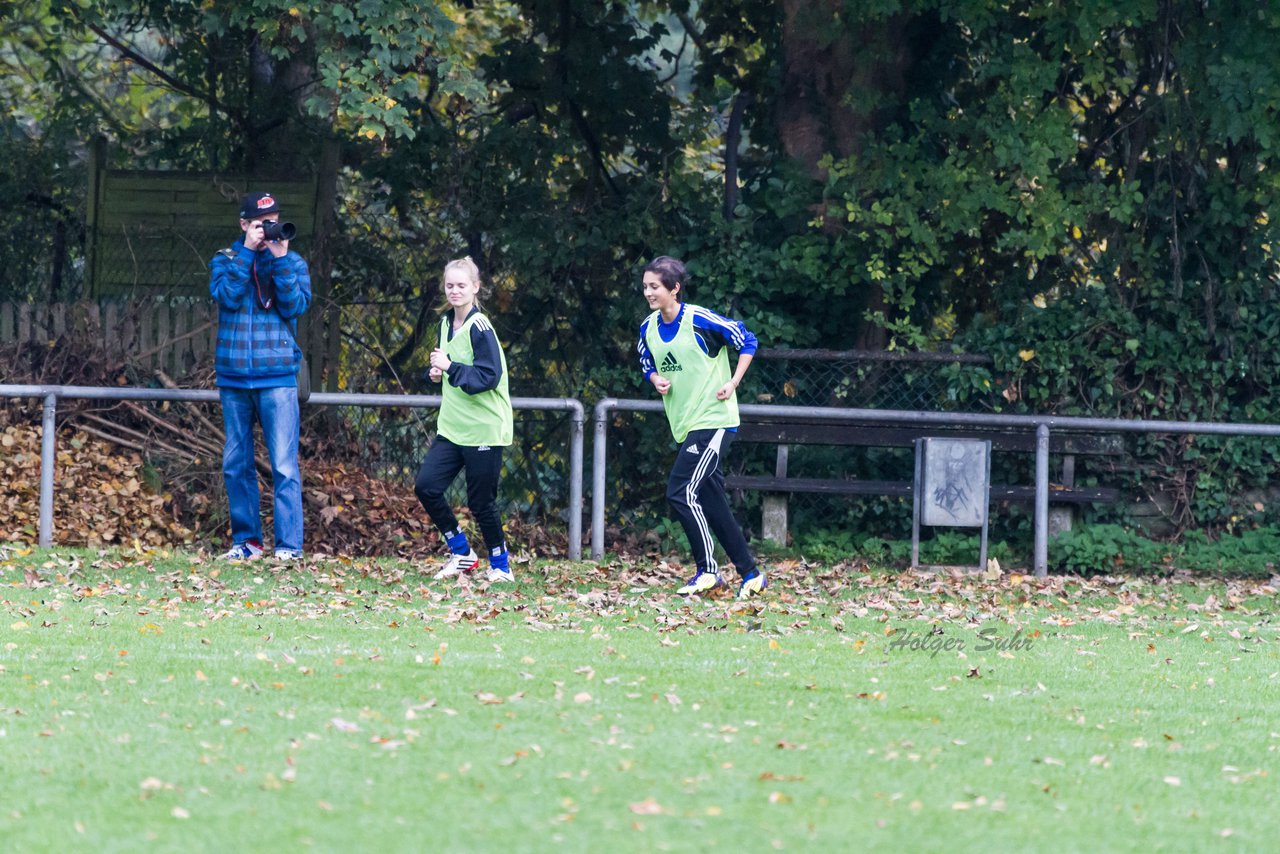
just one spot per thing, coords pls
(265, 202)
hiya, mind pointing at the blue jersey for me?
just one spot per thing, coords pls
(712, 332)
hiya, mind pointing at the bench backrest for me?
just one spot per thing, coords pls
(801, 432)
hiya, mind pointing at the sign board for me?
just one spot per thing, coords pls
(952, 488)
(955, 485)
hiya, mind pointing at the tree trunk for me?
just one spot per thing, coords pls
(832, 73)
(834, 76)
(325, 320)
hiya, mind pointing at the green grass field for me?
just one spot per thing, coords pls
(166, 702)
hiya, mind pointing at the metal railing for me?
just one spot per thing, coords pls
(1041, 425)
(51, 394)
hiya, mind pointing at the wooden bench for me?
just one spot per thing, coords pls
(776, 488)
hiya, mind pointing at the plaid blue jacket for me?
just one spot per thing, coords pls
(255, 347)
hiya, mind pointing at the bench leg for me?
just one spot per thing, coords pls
(1060, 519)
(774, 519)
(773, 523)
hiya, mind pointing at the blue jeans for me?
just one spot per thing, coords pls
(276, 409)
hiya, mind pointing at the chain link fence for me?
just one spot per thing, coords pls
(391, 444)
(856, 379)
(158, 260)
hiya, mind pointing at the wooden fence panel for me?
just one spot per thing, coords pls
(176, 335)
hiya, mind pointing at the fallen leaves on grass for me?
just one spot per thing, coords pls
(344, 726)
(637, 594)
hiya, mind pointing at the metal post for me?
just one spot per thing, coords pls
(916, 489)
(1042, 501)
(48, 457)
(986, 512)
(575, 484)
(599, 452)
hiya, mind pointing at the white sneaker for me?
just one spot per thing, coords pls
(286, 555)
(495, 574)
(458, 564)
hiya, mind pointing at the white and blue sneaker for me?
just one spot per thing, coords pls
(286, 555)
(248, 550)
(753, 586)
(701, 583)
(499, 565)
(499, 574)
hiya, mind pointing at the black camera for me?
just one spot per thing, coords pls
(278, 230)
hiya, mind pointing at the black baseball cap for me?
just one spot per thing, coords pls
(255, 205)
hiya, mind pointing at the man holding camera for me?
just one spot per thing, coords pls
(261, 289)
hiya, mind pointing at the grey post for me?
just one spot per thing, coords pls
(599, 460)
(575, 482)
(48, 459)
(599, 450)
(1042, 501)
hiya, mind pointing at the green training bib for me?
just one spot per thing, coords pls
(473, 419)
(695, 378)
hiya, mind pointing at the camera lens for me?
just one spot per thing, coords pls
(278, 230)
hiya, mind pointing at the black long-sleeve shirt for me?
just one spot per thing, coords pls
(485, 371)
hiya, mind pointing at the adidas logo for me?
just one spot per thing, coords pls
(483, 448)
(669, 364)
(692, 449)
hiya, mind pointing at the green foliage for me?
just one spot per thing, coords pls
(39, 217)
(944, 547)
(1108, 549)
(1095, 549)
(357, 68)
(1252, 552)
(1087, 201)
(1065, 187)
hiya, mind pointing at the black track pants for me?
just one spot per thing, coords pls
(696, 494)
(484, 465)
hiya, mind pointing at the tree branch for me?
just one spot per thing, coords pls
(732, 138)
(169, 80)
(692, 29)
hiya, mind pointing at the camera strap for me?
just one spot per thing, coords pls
(266, 297)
